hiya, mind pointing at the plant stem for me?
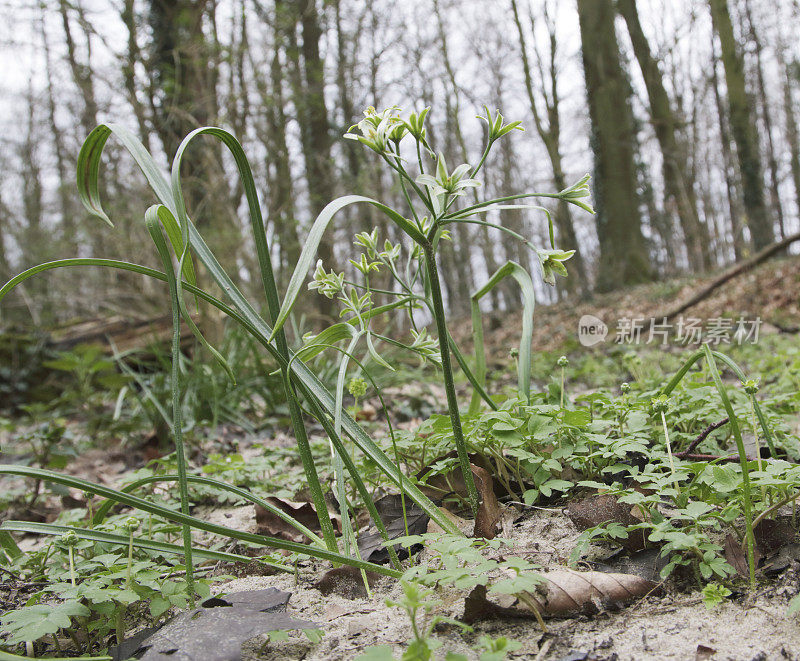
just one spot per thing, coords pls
(177, 432)
(130, 557)
(71, 567)
(447, 371)
(755, 432)
(737, 435)
(669, 450)
(562, 394)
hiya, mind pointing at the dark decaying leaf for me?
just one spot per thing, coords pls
(704, 652)
(267, 600)
(489, 512)
(771, 534)
(478, 607)
(594, 510)
(646, 564)
(787, 556)
(346, 582)
(734, 554)
(390, 509)
(215, 633)
(273, 526)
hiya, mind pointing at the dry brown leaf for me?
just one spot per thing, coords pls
(772, 534)
(272, 525)
(566, 591)
(704, 652)
(594, 510)
(346, 582)
(489, 513)
(735, 556)
(438, 486)
(390, 508)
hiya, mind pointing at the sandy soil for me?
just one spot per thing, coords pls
(676, 625)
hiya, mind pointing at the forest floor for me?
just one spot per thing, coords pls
(670, 621)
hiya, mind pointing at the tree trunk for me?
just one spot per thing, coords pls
(623, 252)
(132, 57)
(308, 92)
(737, 233)
(792, 135)
(679, 189)
(550, 136)
(743, 128)
(766, 116)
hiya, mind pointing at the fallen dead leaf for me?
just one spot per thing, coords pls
(704, 652)
(272, 525)
(594, 510)
(735, 555)
(390, 509)
(771, 534)
(489, 513)
(566, 592)
(346, 582)
(216, 633)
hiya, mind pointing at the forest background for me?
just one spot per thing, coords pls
(684, 111)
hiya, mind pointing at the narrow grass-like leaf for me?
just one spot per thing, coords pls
(309, 253)
(154, 228)
(759, 413)
(523, 279)
(9, 546)
(180, 518)
(737, 435)
(123, 540)
(244, 494)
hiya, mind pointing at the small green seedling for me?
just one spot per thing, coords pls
(70, 539)
(659, 407)
(131, 525)
(714, 594)
(562, 363)
(751, 387)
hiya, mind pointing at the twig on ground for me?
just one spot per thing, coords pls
(701, 437)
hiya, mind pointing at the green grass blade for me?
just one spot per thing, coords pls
(471, 376)
(123, 540)
(180, 518)
(9, 546)
(759, 413)
(105, 506)
(160, 213)
(675, 380)
(309, 253)
(523, 279)
(154, 228)
(737, 435)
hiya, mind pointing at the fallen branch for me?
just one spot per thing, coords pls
(701, 437)
(729, 274)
